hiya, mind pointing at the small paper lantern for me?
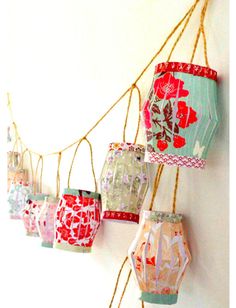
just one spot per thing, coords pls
(180, 114)
(124, 182)
(159, 256)
(77, 220)
(31, 210)
(46, 221)
(16, 175)
(17, 197)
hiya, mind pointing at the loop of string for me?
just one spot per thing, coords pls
(40, 177)
(201, 30)
(91, 160)
(184, 28)
(58, 175)
(186, 16)
(175, 190)
(117, 281)
(125, 287)
(156, 185)
(21, 163)
(134, 86)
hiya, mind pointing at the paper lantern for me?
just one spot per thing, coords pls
(16, 175)
(180, 114)
(159, 256)
(17, 198)
(77, 220)
(124, 182)
(31, 210)
(46, 221)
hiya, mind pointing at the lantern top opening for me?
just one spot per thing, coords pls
(162, 216)
(126, 146)
(188, 68)
(37, 197)
(82, 193)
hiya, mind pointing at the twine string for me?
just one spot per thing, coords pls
(117, 281)
(156, 185)
(91, 160)
(36, 174)
(142, 303)
(133, 87)
(125, 287)
(183, 29)
(201, 29)
(175, 190)
(58, 180)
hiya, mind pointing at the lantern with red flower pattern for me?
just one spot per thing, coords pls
(180, 114)
(78, 215)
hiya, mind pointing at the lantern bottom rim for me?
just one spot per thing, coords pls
(47, 244)
(118, 216)
(164, 299)
(174, 160)
(64, 246)
(30, 233)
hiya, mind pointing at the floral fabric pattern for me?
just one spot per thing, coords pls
(159, 256)
(45, 221)
(77, 220)
(30, 213)
(124, 182)
(17, 197)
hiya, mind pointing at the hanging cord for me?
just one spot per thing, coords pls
(156, 185)
(58, 176)
(117, 281)
(125, 287)
(184, 28)
(41, 175)
(175, 190)
(21, 163)
(91, 159)
(201, 29)
(134, 86)
(142, 303)
(187, 15)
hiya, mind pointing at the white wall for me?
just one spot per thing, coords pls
(66, 62)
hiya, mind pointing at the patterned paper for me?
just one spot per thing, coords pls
(124, 182)
(180, 114)
(159, 256)
(46, 221)
(78, 218)
(31, 210)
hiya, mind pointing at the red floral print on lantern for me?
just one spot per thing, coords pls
(179, 141)
(162, 145)
(187, 115)
(70, 200)
(168, 86)
(147, 115)
(65, 232)
(86, 201)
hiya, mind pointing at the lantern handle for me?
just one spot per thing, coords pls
(21, 163)
(41, 175)
(91, 159)
(156, 184)
(134, 86)
(58, 175)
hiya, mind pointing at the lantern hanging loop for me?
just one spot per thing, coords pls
(132, 88)
(40, 176)
(175, 190)
(125, 287)
(58, 175)
(91, 160)
(156, 185)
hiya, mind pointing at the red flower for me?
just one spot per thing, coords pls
(147, 115)
(162, 145)
(187, 115)
(70, 200)
(179, 141)
(71, 241)
(168, 86)
(150, 261)
(64, 232)
(86, 201)
(82, 232)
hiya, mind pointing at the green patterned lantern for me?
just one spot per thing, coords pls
(180, 114)
(124, 182)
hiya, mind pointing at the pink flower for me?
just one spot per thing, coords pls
(147, 115)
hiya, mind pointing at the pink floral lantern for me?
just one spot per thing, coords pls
(159, 256)
(180, 114)
(31, 210)
(78, 215)
(46, 221)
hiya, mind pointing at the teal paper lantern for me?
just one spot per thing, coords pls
(180, 114)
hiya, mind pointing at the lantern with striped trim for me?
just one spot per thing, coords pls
(78, 215)
(124, 182)
(45, 221)
(180, 114)
(159, 256)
